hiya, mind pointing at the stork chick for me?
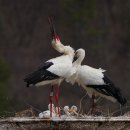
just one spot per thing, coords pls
(73, 111)
(46, 114)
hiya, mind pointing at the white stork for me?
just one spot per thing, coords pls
(54, 70)
(94, 81)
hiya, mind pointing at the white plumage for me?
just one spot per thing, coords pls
(46, 114)
(67, 110)
(70, 112)
(90, 76)
(63, 64)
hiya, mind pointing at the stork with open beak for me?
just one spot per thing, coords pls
(94, 81)
(55, 70)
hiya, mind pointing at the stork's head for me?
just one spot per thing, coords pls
(79, 56)
(74, 108)
(56, 43)
(66, 108)
(80, 53)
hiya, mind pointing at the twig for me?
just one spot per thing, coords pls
(32, 107)
(80, 106)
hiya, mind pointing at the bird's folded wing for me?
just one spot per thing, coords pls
(62, 70)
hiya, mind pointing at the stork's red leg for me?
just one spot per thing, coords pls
(51, 95)
(57, 99)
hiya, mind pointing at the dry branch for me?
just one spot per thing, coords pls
(68, 119)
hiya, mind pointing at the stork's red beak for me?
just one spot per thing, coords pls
(52, 30)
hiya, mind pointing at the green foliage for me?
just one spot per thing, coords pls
(4, 77)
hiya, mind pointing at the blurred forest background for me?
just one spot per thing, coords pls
(101, 27)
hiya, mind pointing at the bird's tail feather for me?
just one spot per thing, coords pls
(115, 91)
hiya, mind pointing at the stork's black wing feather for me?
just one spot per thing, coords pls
(45, 65)
(41, 74)
(109, 89)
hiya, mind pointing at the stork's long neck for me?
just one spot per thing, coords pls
(69, 51)
(71, 55)
(57, 45)
(78, 62)
(66, 50)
